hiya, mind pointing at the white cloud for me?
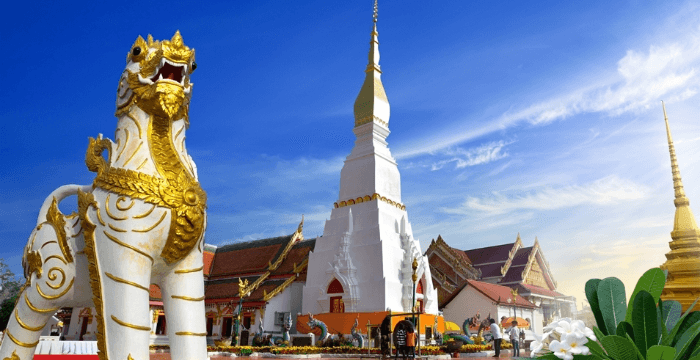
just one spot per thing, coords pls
(608, 190)
(643, 78)
(475, 156)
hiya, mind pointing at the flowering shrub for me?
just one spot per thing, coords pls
(649, 328)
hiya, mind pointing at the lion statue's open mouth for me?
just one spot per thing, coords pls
(157, 77)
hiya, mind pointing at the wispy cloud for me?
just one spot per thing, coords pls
(475, 156)
(608, 190)
(667, 71)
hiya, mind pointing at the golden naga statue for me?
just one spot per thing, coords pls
(141, 222)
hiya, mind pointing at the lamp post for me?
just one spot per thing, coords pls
(414, 277)
(242, 292)
(514, 292)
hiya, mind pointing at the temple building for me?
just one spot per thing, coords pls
(683, 261)
(509, 267)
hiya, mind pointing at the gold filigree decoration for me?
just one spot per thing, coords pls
(177, 190)
(267, 296)
(127, 282)
(14, 356)
(54, 277)
(141, 216)
(181, 297)
(34, 263)
(24, 325)
(36, 309)
(366, 198)
(176, 50)
(129, 325)
(185, 271)
(255, 284)
(54, 297)
(55, 218)
(85, 200)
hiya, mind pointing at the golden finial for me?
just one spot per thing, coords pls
(376, 11)
(677, 182)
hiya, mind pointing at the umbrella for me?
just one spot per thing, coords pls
(450, 326)
(522, 323)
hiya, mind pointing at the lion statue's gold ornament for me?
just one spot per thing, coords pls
(141, 222)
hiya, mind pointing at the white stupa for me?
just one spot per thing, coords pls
(368, 245)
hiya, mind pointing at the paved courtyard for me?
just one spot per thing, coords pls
(166, 356)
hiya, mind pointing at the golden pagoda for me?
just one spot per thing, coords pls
(683, 261)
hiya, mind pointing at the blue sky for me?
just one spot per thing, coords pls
(539, 118)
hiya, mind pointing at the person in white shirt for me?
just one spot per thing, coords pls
(514, 333)
(496, 334)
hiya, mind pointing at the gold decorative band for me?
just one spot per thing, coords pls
(367, 198)
(127, 245)
(187, 298)
(55, 257)
(126, 324)
(369, 119)
(49, 242)
(189, 333)
(23, 344)
(127, 282)
(54, 297)
(36, 309)
(185, 271)
(154, 225)
(25, 326)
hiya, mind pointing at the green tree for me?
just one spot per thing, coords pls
(9, 291)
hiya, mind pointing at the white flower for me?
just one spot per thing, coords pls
(561, 349)
(537, 345)
(589, 333)
(576, 341)
(564, 328)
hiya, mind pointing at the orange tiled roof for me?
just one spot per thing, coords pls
(154, 293)
(498, 293)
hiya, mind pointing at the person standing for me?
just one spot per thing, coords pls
(514, 334)
(411, 344)
(496, 335)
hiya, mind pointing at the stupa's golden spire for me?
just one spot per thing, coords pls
(683, 261)
(371, 105)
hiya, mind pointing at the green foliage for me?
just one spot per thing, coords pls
(648, 329)
(671, 313)
(592, 296)
(684, 346)
(661, 352)
(652, 282)
(646, 322)
(6, 311)
(624, 329)
(612, 302)
(619, 348)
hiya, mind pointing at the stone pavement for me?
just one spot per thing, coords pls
(504, 355)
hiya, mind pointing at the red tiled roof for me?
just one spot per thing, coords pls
(154, 293)
(489, 254)
(208, 260)
(498, 293)
(541, 291)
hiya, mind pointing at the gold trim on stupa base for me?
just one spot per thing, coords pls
(683, 261)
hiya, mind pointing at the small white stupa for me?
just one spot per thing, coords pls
(368, 245)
